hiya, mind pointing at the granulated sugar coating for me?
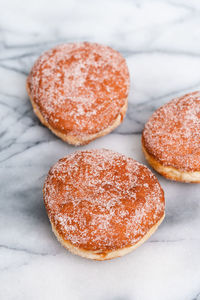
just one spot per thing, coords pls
(79, 88)
(100, 200)
(172, 135)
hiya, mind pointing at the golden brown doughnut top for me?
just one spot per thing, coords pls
(79, 88)
(101, 200)
(172, 134)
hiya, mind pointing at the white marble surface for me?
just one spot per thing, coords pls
(161, 42)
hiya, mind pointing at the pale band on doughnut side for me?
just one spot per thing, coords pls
(171, 172)
(106, 255)
(82, 139)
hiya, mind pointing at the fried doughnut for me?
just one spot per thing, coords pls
(101, 204)
(171, 139)
(79, 90)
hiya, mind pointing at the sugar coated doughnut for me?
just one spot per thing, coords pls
(79, 90)
(171, 139)
(101, 204)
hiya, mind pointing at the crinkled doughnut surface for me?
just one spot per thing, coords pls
(79, 89)
(101, 201)
(172, 135)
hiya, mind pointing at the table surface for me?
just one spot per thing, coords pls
(161, 42)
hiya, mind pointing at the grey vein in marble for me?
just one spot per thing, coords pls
(161, 42)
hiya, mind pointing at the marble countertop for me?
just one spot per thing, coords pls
(161, 42)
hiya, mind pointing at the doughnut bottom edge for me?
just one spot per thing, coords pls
(171, 172)
(79, 140)
(100, 256)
